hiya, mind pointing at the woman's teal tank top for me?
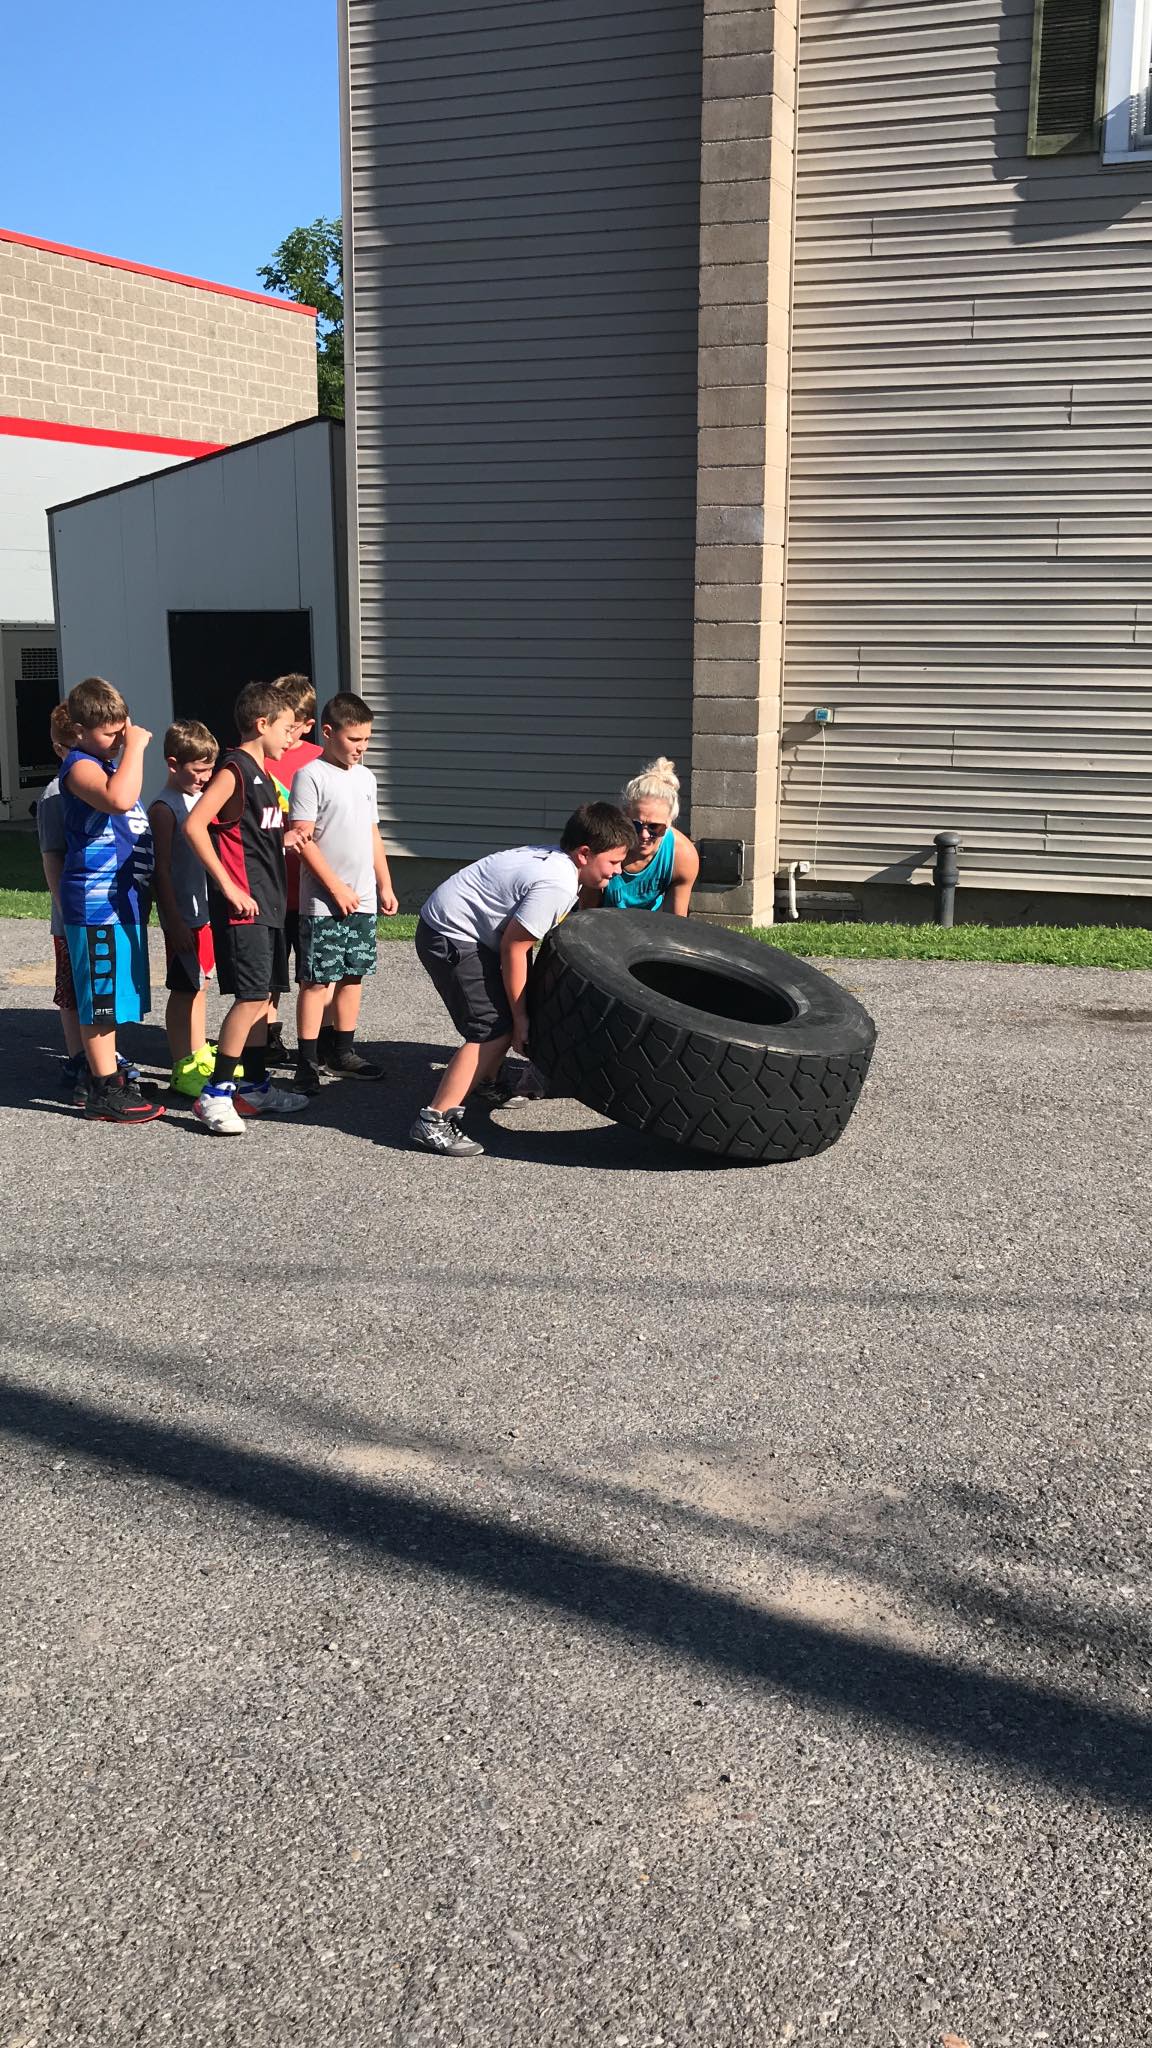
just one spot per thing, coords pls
(646, 889)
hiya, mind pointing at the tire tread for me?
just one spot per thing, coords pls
(690, 1089)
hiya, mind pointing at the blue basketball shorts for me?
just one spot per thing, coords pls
(110, 973)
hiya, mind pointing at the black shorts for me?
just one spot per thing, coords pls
(469, 983)
(189, 973)
(251, 961)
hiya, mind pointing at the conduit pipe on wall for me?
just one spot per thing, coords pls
(794, 868)
(945, 877)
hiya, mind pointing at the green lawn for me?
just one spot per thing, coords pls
(22, 894)
(22, 891)
(1039, 945)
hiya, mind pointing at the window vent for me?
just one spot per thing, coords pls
(1066, 101)
(39, 665)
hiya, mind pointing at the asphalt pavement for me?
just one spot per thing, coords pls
(577, 1596)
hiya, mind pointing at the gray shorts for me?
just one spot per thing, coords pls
(469, 983)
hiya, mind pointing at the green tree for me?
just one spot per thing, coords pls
(309, 267)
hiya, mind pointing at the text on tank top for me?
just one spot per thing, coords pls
(107, 872)
(251, 849)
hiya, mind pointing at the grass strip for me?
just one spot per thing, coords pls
(1038, 945)
(32, 903)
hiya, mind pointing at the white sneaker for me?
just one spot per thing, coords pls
(262, 1099)
(216, 1110)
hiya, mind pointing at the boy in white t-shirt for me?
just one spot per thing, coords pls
(343, 876)
(475, 940)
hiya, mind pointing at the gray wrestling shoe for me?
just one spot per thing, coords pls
(442, 1131)
(526, 1085)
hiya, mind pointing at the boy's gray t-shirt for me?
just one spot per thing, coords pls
(344, 804)
(53, 839)
(537, 885)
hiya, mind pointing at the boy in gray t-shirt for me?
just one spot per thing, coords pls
(343, 877)
(475, 940)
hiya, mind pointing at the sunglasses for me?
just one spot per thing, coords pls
(644, 830)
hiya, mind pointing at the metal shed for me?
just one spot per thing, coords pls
(183, 586)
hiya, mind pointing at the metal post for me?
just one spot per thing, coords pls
(945, 877)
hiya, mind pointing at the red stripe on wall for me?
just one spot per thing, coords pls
(106, 437)
(196, 284)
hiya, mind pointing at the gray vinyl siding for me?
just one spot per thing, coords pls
(970, 537)
(524, 207)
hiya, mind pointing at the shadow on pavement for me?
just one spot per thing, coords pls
(1060, 1740)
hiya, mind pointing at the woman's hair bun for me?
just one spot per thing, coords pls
(659, 782)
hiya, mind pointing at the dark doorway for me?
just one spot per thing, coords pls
(213, 655)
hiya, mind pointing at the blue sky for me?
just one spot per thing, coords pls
(189, 136)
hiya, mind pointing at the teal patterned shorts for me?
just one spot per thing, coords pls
(337, 948)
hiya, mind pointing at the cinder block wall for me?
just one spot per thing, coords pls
(747, 177)
(86, 344)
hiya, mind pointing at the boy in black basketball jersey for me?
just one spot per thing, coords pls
(237, 831)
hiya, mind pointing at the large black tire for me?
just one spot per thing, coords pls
(697, 1035)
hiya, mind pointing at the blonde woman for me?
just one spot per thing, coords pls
(661, 874)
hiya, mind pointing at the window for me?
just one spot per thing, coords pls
(1066, 101)
(1091, 79)
(1128, 84)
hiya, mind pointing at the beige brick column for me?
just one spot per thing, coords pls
(746, 199)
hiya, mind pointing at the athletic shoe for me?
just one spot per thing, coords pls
(491, 1093)
(216, 1110)
(127, 1070)
(193, 1072)
(113, 1100)
(278, 1054)
(76, 1080)
(307, 1079)
(442, 1131)
(353, 1066)
(527, 1086)
(260, 1098)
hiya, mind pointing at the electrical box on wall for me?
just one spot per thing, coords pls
(721, 863)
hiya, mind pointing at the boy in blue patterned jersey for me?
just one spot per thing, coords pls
(104, 885)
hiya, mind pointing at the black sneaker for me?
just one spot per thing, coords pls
(441, 1131)
(306, 1080)
(113, 1100)
(278, 1054)
(75, 1080)
(353, 1066)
